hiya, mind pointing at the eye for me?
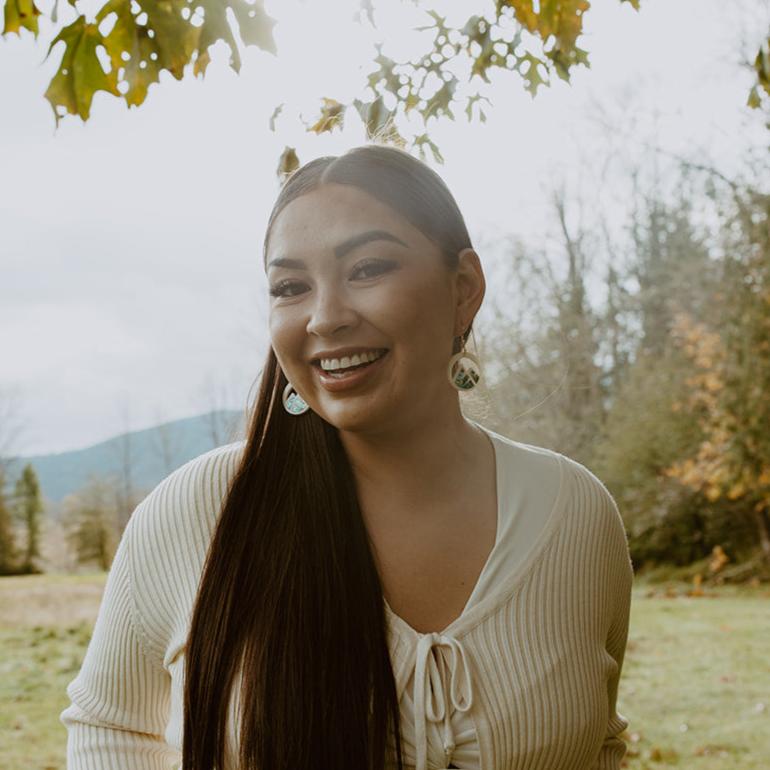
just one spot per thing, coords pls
(373, 267)
(283, 288)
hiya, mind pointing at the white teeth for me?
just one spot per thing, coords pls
(330, 364)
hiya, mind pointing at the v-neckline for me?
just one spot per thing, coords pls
(498, 526)
(473, 615)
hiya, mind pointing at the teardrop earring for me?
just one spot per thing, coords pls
(464, 369)
(293, 403)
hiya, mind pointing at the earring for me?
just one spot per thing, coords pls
(293, 403)
(464, 369)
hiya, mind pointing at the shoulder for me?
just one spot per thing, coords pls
(582, 496)
(167, 539)
(529, 462)
(596, 519)
(588, 492)
(192, 495)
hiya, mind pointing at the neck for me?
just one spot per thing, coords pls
(414, 468)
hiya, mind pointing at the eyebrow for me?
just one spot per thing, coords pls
(343, 248)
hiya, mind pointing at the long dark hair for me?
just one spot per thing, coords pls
(290, 597)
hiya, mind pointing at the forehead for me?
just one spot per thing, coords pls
(319, 220)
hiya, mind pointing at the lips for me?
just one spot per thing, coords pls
(349, 378)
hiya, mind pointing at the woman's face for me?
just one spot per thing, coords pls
(348, 274)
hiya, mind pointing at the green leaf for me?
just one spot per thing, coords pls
(532, 77)
(424, 139)
(332, 116)
(762, 65)
(216, 26)
(440, 102)
(80, 74)
(379, 120)
(18, 14)
(129, 38)
(754, 100)
(255, 26)
(287, 163)
(175, 38)
(202, 61)
(469, 107)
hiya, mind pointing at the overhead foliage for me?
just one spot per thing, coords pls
(142, 38)
(128, 43)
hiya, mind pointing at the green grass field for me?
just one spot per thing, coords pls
(695, 685)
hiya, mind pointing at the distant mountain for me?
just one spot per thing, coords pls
(153, 453)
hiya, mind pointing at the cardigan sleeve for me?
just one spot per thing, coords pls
(613, 748)
(120, 698)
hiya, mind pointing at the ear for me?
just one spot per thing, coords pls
(470, 287)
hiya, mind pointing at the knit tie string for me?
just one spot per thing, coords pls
(431, 695)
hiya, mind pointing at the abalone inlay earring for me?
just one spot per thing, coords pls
(293, 403)
(464, 369)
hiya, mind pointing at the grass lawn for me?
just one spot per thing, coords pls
(695, 685)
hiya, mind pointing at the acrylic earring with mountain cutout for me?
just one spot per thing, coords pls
(464, 369)
(293, 403)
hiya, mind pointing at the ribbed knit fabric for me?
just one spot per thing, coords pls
(542, 651)
(528, 480)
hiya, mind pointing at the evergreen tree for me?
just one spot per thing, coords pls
(29, 509)
(7, 545)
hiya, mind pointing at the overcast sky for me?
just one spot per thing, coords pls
(130, 285)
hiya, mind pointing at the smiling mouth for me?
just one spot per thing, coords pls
(352, 368)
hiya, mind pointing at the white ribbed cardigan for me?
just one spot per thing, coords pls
(538, 653)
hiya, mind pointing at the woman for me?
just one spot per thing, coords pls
(370, 579)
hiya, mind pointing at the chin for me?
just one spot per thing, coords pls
(352, 419)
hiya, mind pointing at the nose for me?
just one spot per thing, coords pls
(331, 311)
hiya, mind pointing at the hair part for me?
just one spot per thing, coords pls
(395, 178)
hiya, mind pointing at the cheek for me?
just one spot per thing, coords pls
(423, 315)
(285, 337)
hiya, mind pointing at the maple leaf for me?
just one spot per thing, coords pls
(20, 14)
(130, 47)
(80, 74)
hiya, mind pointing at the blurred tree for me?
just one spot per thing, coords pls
(672, 266)
(549, 388)
(675, 271)
(731, 382)
(8, 553)
(28, 508)
(610, 385)
(11, 424)
(90, 517)
(642, 435)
